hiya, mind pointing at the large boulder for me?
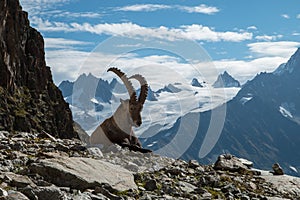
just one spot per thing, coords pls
(227, 162)
(84, 173)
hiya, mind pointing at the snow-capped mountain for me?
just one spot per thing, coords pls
(93, 99)
(262, 123)
(196, 83)
(226, 80)
(169, 88)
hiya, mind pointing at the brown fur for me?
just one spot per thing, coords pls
(118, 136)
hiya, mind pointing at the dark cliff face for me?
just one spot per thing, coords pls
(29, 99)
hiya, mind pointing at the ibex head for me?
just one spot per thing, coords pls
(134, 105)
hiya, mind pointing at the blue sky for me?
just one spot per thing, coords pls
(242, 37)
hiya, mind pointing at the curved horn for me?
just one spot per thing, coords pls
(144, 87)
(127, 83)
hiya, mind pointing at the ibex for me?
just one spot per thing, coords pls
(118, 128)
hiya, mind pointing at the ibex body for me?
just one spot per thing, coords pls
(118, 128)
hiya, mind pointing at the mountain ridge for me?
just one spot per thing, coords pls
(254, 127)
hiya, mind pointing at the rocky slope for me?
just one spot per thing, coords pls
(41, 167)
(29, 99)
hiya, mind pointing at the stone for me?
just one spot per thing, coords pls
(284, 184)
(17, 180)
(82, 196)
(3, 192)
(227, 162)
(106, 193)
(132, 167)
(95, 151)
(3, 134)
(51, 192)
(277, 170)
(15, 195)
(193, 164)
(245, 197)
(89, 196)
(186, 187)
(206, 195)
(246, 162)
(28, 191)
(83, 173)
(44, 135)
(151, 185)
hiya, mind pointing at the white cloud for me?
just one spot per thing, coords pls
(252, 28)
(77, 14)
(200, 9)
(65, 63)
(268, 37)
(144, 7)
(68, 64)
(199, 32)
(298, 16)
(267, 56)
(285, 16)
(192, 32)
(34, 7)
(244, 70)
(204, 9)
(281, 49)
(62, 43)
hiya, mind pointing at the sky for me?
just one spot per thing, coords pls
(166, 40)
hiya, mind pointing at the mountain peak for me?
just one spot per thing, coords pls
(291, 66)
(196, 83)
(226, 80)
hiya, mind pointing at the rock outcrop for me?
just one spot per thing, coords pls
(29, 99)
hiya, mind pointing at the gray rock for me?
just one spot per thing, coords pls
(82, 173)
(246, 162)
(277, 169)
(89, 196)
(186, 187)
(284, 184)
(96, 152)
(230, 163)
(106, 193)
(98, 197)
(82, 196)
(193, 164)
(151, 185)
(3, 134)
(245, 197)
(15, 195)
(3, 193)
(206, 195)
(28, 191)
(46, 193)
(132, 167)
(17, 180)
